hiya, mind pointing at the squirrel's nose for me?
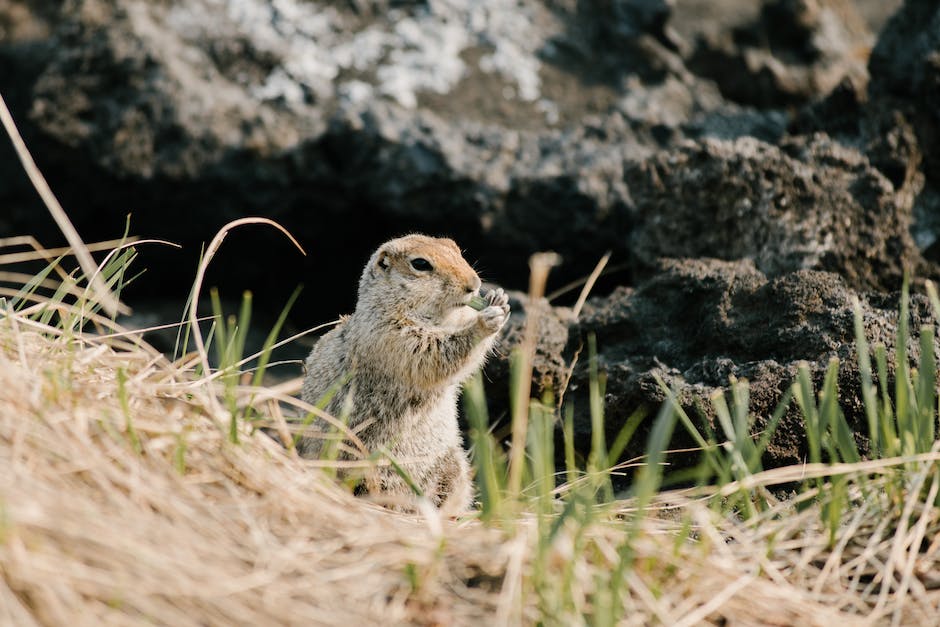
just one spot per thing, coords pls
(473, 285)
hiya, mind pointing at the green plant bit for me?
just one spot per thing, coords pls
(478, 303)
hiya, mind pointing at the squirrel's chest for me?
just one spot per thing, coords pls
(411, 425)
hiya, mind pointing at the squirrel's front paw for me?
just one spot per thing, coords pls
(495, 314)
(497, 298)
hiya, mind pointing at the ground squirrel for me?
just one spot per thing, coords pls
(399, 360)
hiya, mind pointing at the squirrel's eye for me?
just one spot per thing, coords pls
(420, 264)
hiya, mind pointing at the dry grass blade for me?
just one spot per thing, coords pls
(94, 532)
(201, 274)
(278, 344)
(573, 285)
(792, 474)
(100, 290)
(540, 264)
(48, 254)
(589, 284)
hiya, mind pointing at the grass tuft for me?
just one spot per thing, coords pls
(220, 524)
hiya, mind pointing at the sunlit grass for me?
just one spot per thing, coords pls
(853, 538)
(138, 488)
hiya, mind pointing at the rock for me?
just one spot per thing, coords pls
(698, 322)
(23, 22)
(927, 221)
(512, 130)
(350, 123)
(905, 63)
(904, 91)
(811, 203)
(793, 52)
(895, 121)
(25, 47)
(550, 364)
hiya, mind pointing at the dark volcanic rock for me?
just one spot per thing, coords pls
(812, 203)
(351, 125)
(793, 52)
(25, 47)
(905, 68)
(698, 322)
(514, 129)
(904, 91)
(550, 363)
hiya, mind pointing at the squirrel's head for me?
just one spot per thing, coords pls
(421, 276)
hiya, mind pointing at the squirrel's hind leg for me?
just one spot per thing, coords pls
(452, 490)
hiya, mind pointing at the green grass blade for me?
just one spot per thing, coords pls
(595, 398)
(126, 409)
(401, 472)
(650, 475)
(597, 459)
(803, 392)
(625, 435)
(779, 412)
(723, 415)
(322, 404)
(829, 398)
(869, 394)
(903, 394)
(926, 395)
(490, 467)
(540, 444)
(112, 274)
(889, 437)
(183, 332)
(269, 341)
(740, 394)
(713, 463)
(221, 328)
(22, 296)
(571, 468)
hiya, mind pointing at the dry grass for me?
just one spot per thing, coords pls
(123, 501)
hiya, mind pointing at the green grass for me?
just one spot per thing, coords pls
(901, 422)
(849, 536)
(893, 479)
(900, 409)
(568, 549)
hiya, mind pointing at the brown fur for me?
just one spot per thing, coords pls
(403, 354)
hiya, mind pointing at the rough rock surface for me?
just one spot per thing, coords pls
(349, 123)
(727, 152)
(905, 70)
(698, 322)
(810, 203)
(790, 53)
(895, 120)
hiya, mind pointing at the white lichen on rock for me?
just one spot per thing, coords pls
(402, 53)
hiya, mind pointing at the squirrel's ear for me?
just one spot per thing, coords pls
(382, 261)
